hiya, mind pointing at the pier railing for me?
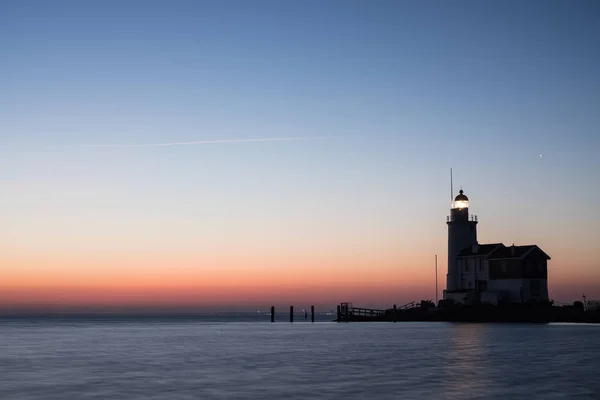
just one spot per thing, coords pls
(346, 312)
(408, 306)
(365, 312)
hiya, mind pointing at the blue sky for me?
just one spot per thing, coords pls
(402, 90)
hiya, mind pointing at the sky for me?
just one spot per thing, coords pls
(381, 99)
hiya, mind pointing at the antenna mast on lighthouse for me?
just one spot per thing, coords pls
(451, 189)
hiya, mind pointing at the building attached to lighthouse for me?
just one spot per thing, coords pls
(490, 273)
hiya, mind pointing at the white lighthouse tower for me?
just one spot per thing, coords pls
(462, 234)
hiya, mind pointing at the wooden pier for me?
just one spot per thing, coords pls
(347, 313)
(426, 311)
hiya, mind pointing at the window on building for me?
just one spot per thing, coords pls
(535, 287)
(469, 284)
(480, 265)
(467, 266)
(503, 266)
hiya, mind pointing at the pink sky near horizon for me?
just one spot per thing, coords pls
(244, 281)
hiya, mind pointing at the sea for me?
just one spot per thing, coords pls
(248, 357)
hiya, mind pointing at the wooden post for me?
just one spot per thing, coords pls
(312, 313)
(339, 313)
(272, 313)
(291, 313)
(395, 313)
(436, 282)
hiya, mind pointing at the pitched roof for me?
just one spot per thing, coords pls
(514, 252)
(482, 250)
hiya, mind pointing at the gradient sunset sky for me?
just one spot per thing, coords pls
(385, 97)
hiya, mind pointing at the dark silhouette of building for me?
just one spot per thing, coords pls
(490, 273)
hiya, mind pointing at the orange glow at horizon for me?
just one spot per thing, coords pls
(233, 282)
(226, 280)
(246, 277)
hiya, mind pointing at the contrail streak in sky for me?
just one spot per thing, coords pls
(112, 146)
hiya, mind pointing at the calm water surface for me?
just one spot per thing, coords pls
(189, 359)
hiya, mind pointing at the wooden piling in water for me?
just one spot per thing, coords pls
(312, 313)
(395, 314)
(291, 313)
(339, 313)
(272, 313)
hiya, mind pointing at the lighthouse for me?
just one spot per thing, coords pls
(462, 234)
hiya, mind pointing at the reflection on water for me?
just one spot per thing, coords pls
(466, 366)
(258, 360)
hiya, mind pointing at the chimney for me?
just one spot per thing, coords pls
(475, 248)
(513, 250)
